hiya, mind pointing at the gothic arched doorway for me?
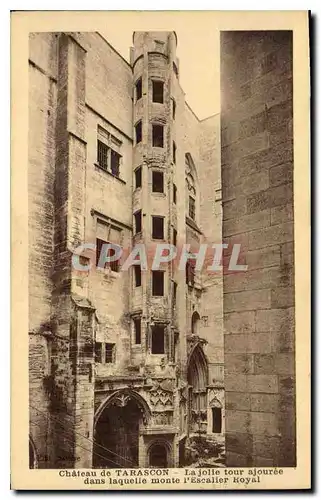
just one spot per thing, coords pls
(117, 426)
(197, 377)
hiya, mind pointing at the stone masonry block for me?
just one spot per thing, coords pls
(271, 236)
(281, 174)
(235, 381)
(247, 223)
(274, 319)
(282, 297)
(247, 301)
(239, 363)
(264, 257)
(237, 442)
(240, 322)
(263, 383)
(237, 401)
(264, 423)
(264, 402)
(238, 421)
(273, 197)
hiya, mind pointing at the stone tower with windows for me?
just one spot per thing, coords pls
(126, 366)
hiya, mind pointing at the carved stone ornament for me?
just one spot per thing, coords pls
(122, 400)
(161, 396)
(215, 403)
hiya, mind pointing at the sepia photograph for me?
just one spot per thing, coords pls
(161, 252)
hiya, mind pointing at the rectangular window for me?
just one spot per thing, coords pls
(138, 330)
(158, 228)
(191, 207)
(139, 89)
(114, 265)
(158, 91)
(102, 155)
(114, 162)
(98, 352)
(158, 136)
(158, 339)
(174, 237)
(217, 420)
(138, 221)
(138, 132)
(109, 353)
(174, 194)
(138, 177)
(174, 293)
(138, 275)
(157, 182)
(158, 283)
(174, 152)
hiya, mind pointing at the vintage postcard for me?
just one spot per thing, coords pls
(160, 249)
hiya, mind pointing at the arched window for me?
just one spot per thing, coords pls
(195, 323)
(197, 376)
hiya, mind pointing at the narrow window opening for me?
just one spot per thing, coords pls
(174, 152)
(138, 177)
(138, 330)
(158, 136)
(158, 339)
(158, 91)
(217, 420)
(191, 208)
(110, 353)
(175, 69)
(139, 89)
(138, 275)
(98, 352)
(190, 272)
(138, 132)
(158, 228)
(138, 221)
(102, 155)
(115, 162)
(173, 108)
(157, 182)
(174, 193)
(158, 283)
(174, 293)
(174, 237)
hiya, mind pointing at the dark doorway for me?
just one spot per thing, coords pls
(158, 456)
(217, 420)
(116, 435)
(182, 452)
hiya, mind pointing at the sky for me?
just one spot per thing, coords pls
(197, 50)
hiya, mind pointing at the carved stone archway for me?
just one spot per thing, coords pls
(197, 377)
(117, 426)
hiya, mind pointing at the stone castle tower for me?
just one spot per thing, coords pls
(126, 367)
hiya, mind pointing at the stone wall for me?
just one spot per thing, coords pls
(257, 173)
